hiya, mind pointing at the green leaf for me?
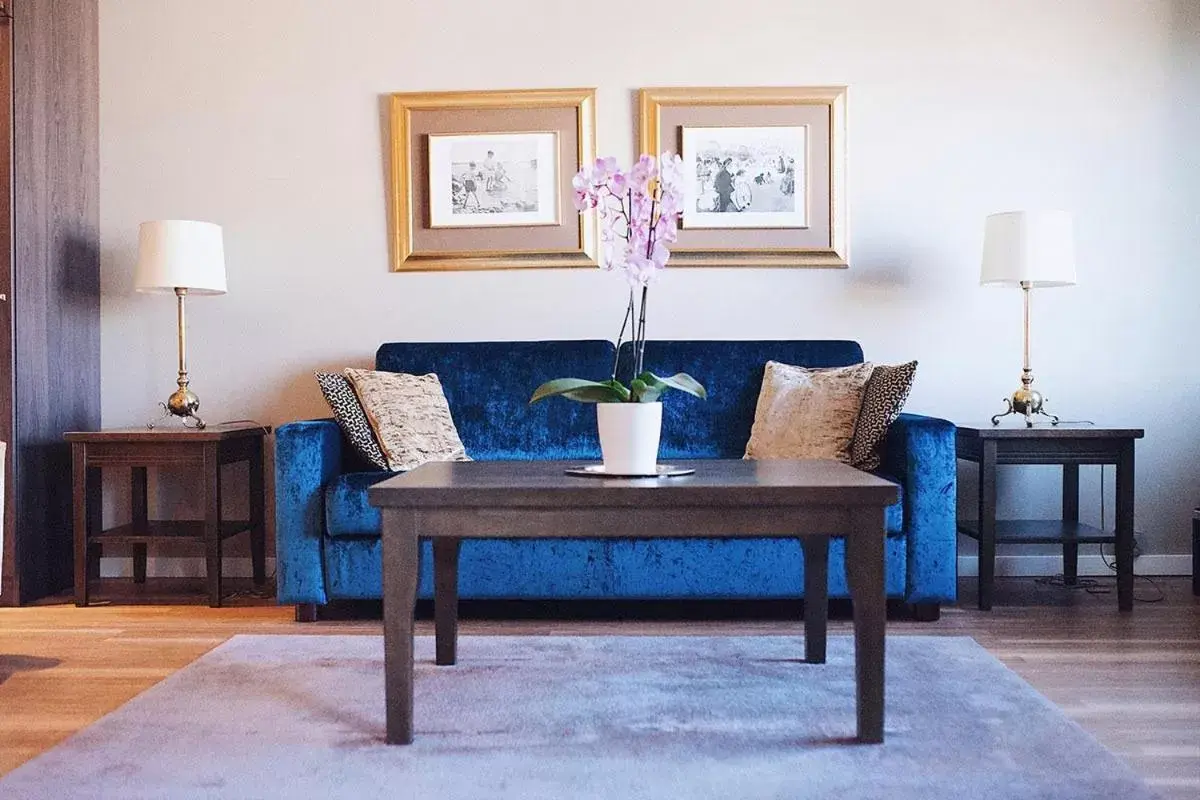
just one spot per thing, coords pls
(582, 391)
(680, 381)
(618, 387)
(643, 392)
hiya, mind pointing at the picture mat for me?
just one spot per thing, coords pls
(707, 243)
(445, 244)
(755, 150)
(513, 151)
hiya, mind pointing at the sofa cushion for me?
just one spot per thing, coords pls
(488, 385)
(350, 417)
(807, 413)
(882, 402)
(410, 417)
(347, 512)
(731, 371)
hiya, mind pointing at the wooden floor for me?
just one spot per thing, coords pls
(1133, 680)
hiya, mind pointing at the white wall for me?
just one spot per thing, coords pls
(265, 116)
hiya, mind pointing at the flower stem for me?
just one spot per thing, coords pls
(640, 345)
(621, 335)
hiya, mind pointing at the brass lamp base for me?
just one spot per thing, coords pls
(1026, 401)
(183, 403)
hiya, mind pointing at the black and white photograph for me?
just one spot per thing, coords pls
(487, 180)
(753, 177)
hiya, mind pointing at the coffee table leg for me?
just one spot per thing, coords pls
(864, 568)
(445, 599)
(816, 597)
(400, 564)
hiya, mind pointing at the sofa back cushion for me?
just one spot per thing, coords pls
(488, 385)
(732, 372)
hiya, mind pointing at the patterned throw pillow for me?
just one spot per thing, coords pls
(807, 413)
(883, 400)
(410, 417)
(350, 417)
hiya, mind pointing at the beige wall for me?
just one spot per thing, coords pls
(264, 116)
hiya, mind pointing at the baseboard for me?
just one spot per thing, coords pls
(1092, 565)
(179, 567)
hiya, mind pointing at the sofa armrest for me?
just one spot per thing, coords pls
(921, 454)
(308, 455)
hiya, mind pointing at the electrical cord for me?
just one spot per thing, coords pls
(1093, 586)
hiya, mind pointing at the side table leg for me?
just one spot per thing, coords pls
(864, 568)
(401, 562)
(445, 599)
(987, 523)
(1124, 533)
(258, 514)
(80, 503)
(1070, 513)
(816, 597)
(140, 506)
(212, 522)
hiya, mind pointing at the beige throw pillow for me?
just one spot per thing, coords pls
(410, 417)
(807, 413)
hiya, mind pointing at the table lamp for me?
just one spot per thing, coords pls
(1030, 249)
(183, 257)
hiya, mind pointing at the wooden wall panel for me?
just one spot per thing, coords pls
(9, 551)
(55, 298)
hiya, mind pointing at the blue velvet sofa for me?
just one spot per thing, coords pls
(327, 534)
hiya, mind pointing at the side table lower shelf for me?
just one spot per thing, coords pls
(174, 530)
(141, 534)
(1040, 531)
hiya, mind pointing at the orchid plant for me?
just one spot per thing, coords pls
(639, 214)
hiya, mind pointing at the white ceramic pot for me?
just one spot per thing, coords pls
(629, 434)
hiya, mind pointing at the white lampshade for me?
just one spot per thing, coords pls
(177, 253)
(1034, 247)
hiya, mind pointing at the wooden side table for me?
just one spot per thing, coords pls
(1069, 445)
(205, 452)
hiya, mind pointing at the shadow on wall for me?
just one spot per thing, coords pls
(300, 397)
(11, 665)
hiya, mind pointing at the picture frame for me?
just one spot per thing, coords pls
(757, 192)
(521, 213)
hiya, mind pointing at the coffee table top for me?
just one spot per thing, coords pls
(545, 484)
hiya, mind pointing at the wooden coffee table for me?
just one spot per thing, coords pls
(809, 500)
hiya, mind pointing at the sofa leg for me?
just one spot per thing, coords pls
(926, 612)
(306, 612)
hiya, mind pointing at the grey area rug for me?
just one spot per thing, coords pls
(574, 717)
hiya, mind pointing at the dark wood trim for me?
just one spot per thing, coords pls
(1124, 526)
(10, 551)
(987, 523)
(1070, 516)
(816, 597)
(1075, 431)
(717, 483)
(1069, 446)
(445, 598)
(843, 498)
(51, 327)
(249, 431)
(211, 531)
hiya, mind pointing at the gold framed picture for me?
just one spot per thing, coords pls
(765, 172)
(482, 180)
